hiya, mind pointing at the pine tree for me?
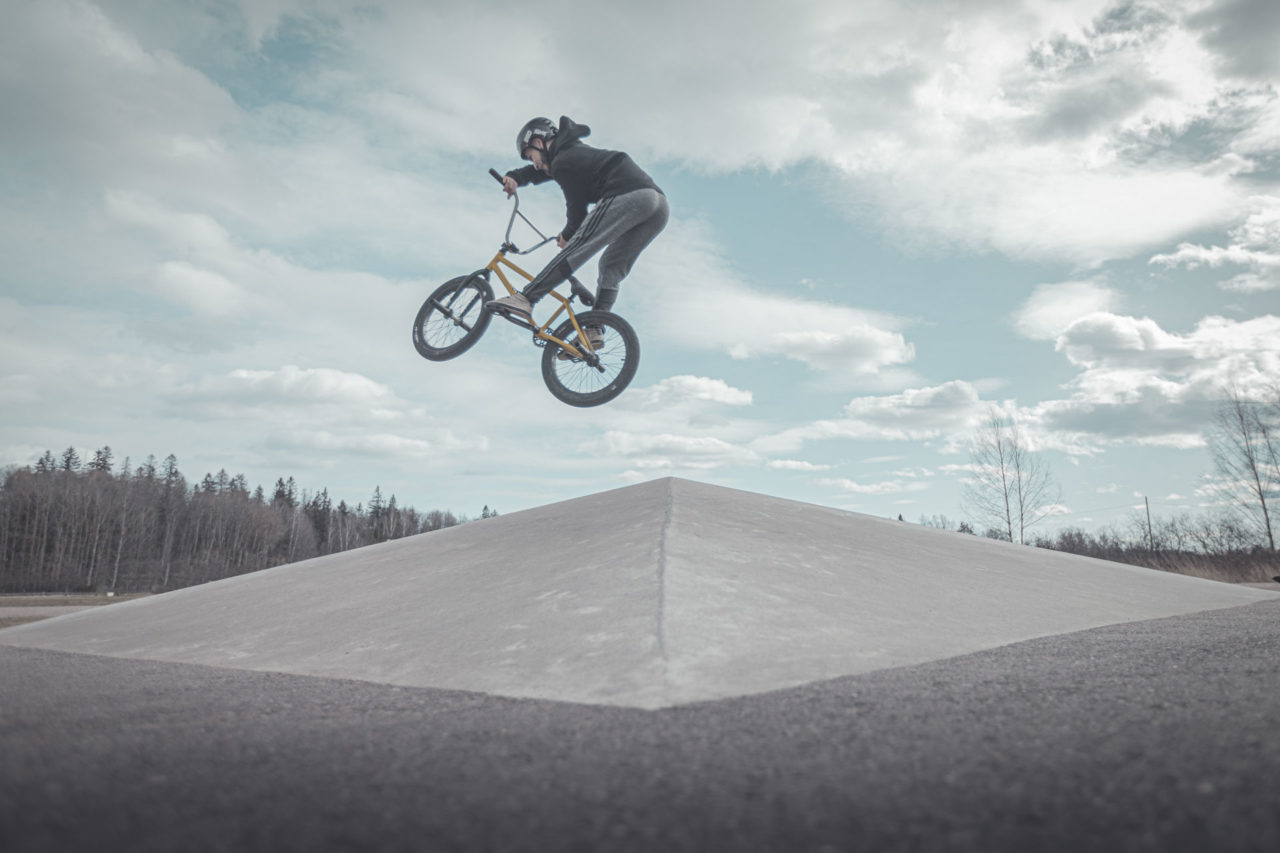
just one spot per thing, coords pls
(101, 460)
(46, 464)
(170, 470)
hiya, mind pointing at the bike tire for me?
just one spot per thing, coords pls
(578, 383)
(452, 318)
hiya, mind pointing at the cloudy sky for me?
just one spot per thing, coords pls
(218, 219)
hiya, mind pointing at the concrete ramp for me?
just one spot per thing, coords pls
(648, 596)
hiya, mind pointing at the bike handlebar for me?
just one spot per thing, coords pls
(576, 287)
(515, 211)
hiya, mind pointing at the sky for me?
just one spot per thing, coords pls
(889, 219)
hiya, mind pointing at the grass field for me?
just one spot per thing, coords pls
(12, 605)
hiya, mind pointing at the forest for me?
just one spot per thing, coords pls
(68, 525)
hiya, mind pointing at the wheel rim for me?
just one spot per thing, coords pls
(453, 316)
(581, 378)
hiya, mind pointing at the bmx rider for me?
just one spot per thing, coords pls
(630, 210)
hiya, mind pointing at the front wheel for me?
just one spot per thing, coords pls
(600, 376)
(453, 318)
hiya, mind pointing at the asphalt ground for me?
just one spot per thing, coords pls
(1158, 735)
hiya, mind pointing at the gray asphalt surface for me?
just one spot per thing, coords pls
(1157, 735)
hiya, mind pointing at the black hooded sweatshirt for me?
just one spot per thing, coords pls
(585, 174)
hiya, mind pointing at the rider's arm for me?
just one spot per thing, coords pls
(575, 206)
(574, 175)
(528, 175)
(574, 214)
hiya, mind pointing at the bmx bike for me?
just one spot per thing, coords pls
(454, 317)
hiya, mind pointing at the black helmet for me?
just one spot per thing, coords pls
(540, 127)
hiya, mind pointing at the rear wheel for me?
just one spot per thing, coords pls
(453, 318)
(600, 376)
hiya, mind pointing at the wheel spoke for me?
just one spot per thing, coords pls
(580, 377)
(452, 319)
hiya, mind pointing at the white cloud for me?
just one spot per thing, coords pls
(700, 302)
(1215, 351)
(887, 487)
(1178, 441)
(386, 445)
(292, 383)
(1053, 308)
(1022, 127)
(1140, 382)
(91, 102)
(46, 378)
(682, 389)
(1254, 245)
(1116, 342)
(916, 414)
(293, 395)
(202, 291)
(1030, 205)
(1031, 135)
(1242, 35)
(693, 423)
(671, 450)
(796, 465)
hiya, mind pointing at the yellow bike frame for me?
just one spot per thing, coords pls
(540, 332)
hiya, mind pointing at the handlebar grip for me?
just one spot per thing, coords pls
(495, 174)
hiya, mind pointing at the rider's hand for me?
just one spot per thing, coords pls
(561, 242)
(509, 184)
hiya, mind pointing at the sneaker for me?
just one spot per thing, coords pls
(595, 337)
(516, 304)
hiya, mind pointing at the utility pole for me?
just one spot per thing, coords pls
(1151, 541)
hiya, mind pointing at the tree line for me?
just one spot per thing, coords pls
(1207, 544)
(1011, 490)
(68, 525)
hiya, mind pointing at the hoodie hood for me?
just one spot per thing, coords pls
(569, 133)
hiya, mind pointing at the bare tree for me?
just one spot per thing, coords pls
(1011, 489)
(1245, 442)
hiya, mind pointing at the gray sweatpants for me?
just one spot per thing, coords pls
(621, 225)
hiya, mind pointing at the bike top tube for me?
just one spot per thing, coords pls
(515, 211)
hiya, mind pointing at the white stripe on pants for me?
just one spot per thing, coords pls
(621, 225)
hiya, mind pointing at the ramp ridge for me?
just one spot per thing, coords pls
(662, 568)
